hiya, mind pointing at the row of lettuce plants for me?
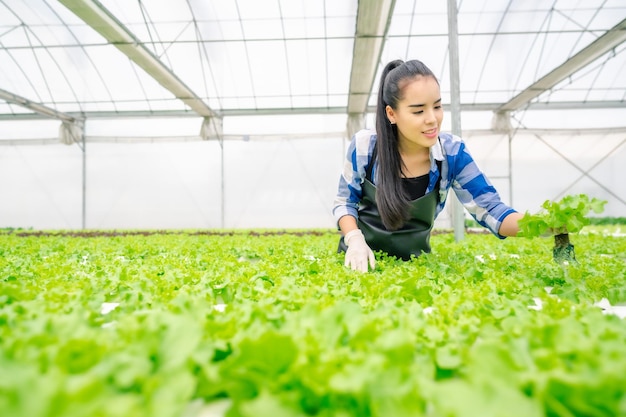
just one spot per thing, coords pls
(268, 323)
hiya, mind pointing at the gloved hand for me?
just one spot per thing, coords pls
(358, 254)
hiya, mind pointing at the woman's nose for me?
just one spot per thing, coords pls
(430, 117)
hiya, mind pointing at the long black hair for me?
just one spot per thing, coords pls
(391, 198)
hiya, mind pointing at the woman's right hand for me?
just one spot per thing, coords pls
(359, 254)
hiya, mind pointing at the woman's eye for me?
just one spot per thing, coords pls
(419, 112)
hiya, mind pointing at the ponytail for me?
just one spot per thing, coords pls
(391, 198)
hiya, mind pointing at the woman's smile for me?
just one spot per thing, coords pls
(431, 133)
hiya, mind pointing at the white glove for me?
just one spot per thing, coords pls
(358, 254)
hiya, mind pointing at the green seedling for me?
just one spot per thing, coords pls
(559, 219)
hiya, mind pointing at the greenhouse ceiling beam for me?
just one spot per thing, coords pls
(609, 40)
(106, 24)
(372, 22)
(565, 105)
(468, 133)
(40, 109)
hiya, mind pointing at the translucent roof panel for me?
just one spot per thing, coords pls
(234, 54)
(504, 47)
(246, 57)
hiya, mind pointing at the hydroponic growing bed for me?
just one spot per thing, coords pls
(267, 323)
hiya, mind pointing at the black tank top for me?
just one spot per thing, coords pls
(416, 187)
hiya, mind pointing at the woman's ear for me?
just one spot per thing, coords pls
(390, 115)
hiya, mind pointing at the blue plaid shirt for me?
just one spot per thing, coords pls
(458, 171)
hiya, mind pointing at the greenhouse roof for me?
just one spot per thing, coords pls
(77, 59)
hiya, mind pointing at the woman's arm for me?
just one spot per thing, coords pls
(347, 223)
(475, 191)
(509, 226)
(349, 190)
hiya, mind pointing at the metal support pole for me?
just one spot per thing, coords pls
(74, 133)
(213, 127)
(222, 208)
(84, 150)
(458, 217)
(511, 169)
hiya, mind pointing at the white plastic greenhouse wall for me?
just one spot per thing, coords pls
(266, 182)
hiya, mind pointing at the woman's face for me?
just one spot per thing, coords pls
(419, 114)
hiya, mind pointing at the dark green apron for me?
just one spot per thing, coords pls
(412, 239)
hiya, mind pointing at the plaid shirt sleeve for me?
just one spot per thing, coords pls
(353, 174)
(471, 186)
